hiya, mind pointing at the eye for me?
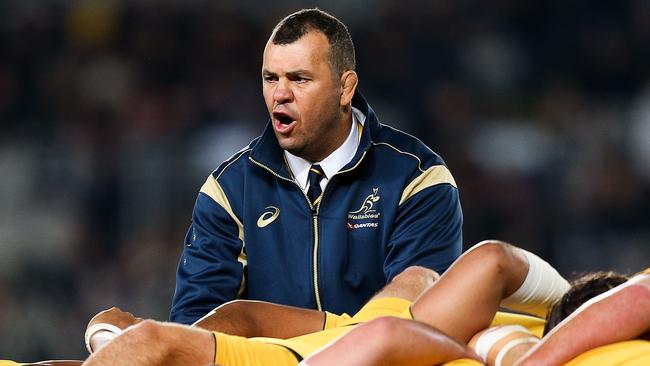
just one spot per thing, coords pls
(270, 78)
(300, 80)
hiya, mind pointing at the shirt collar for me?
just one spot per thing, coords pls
(299, 167)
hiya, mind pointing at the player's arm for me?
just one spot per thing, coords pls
(491, 274)
(428, 227)
(391, 341)
(239, 317)
(619, 314)
(262, 319)
(209, 273)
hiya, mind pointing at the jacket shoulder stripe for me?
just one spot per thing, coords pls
(213, 189)
(407, 134)
(437, 174)
(234, 158)
(402, 152)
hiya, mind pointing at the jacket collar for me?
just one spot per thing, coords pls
(268, 153)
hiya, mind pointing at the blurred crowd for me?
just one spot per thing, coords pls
(113, 113)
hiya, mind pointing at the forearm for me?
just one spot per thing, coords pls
(499, 267)
(620, 314)
(262, 319)
(391, 341)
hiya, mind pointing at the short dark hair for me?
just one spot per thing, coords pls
(296, 25)
(582, 289)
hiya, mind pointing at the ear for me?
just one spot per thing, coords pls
(349, 81)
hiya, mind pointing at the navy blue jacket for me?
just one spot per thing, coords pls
(255, 235)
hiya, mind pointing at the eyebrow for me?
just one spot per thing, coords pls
(299, 72)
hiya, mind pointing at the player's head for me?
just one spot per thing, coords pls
(582, 290)
(308, 82)
(296, 25)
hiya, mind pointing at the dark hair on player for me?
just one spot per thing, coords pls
(296, 25)
(582, 289)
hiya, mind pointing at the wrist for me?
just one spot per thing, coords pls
(503, 345)
(97, 335)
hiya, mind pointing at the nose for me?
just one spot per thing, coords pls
(282, 93)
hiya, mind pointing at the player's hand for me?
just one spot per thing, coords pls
(116, 317)
(107, 325)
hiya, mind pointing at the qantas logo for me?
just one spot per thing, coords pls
(270, 214)
(351, 226)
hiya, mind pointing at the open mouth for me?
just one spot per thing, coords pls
(284, 119)
(283, 122)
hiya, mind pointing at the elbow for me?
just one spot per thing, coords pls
(496, 255)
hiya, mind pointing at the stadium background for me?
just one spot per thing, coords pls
(113, 113)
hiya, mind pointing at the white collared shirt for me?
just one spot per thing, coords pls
(333, 162)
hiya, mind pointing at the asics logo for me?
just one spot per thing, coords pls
(270, 214)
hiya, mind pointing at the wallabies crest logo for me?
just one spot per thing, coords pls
(366, 216)
(367, 204)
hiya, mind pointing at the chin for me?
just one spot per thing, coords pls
(294, 146)
(294, 151)
(290, 146)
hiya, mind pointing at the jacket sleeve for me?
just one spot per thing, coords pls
(428, 226)
(210, 270)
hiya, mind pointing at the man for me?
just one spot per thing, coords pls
(327, 205)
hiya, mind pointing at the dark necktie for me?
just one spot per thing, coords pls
(314, 192)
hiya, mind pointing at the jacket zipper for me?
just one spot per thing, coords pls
(314, 211)
(314, 216)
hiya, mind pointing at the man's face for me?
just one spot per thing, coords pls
(303, 96)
